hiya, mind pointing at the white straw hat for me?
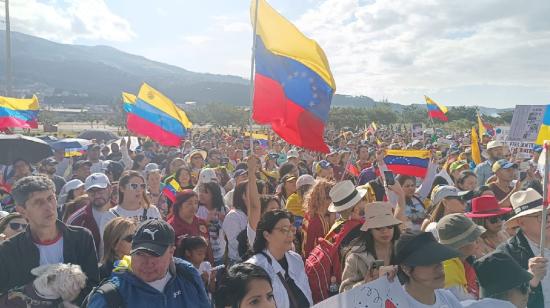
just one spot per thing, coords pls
(524, 202)
(344, 196)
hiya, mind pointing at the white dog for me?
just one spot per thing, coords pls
(55, 285)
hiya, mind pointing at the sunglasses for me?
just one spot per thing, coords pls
(135, 186)
(495, 220)
(128, 238)
(17, 226)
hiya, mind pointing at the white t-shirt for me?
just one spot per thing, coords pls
(99, 217)
(51, 253)
(97, 167)
(235, 221)
(251, 234)
(215, 220)
(152, 213)
(228, 199)
(431, 227)
(443, 298)
(487, 303)
(161, 283)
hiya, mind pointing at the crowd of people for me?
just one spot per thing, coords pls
(215, 224)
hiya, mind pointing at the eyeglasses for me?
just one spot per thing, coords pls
(286, 230)
(135, 186)
(17, 226)
(495, 220)
(128, 238)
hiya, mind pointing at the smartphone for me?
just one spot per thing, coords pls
(389, 178)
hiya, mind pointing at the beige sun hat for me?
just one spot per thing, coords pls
(524, 202)
(379, 214)
(344, 196)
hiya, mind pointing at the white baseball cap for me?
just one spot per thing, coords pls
(494, 144)
(96, 180)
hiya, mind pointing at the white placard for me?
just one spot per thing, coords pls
(526, 123)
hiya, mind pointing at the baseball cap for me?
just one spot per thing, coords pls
(153, 236)
(494, 144)
(503, 164)
(458, 164)
(292, 154)
(305, 179)
(96, 180)
(445, 191)
(239, 172)
(81, 163)
(150, 167)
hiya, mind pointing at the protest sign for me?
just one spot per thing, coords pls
(378, 293)
(526, 123)
(416, 131)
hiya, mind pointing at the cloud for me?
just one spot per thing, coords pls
(69, 21)
(401, 48)
(196, 39)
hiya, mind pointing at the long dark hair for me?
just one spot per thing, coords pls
(402, 179)
(217, 199)
(125, 179)
(181, 197)
(267, 223)
(178, 173)
(236, 283)
(238, 197)
(365, 241)
(137, 159)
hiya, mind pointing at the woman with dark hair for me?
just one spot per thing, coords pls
(414, 207)
(288, 187)
(132, 200)
(420, 268)
(466, 181)
(185, 221)
(235, 221)
(445, 200)
(213, 210)
(184, 178)
(272, 252)
(375, 242)
(139, 162)
(245, 286)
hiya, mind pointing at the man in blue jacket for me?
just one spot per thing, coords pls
(155, 278)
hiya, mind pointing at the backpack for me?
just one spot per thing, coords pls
(324, 262)
(113, 299)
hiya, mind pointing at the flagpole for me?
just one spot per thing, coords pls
(545, 198)
(252, 68)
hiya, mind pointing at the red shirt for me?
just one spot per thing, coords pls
(313, 228)
(198, 227)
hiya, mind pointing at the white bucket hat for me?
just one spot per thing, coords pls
(344, 196)
(524, 202)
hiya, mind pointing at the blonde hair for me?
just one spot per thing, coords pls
(115, 230)
(316, 198)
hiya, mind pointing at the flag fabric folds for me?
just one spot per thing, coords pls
(293, 84)
(484, 127)
(154, 115)
(476, 153)
(544, 131)
(263, 139)
(171, 189)
(18, 112)
(408, 162)
(436, 110)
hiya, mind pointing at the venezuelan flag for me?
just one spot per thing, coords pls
(171, 189)
(436, 110)
(263, 139)
(408, 162)
(18, 112)
(293, 84)
(154, 115)
(544, 131)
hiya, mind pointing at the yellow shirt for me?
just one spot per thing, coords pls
(294, 205)
(454, 273)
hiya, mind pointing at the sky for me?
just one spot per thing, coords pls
(493, 53)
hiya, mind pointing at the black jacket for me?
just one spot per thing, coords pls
(518, 247)
(19, 255)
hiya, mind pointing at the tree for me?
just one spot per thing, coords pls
(506, 116)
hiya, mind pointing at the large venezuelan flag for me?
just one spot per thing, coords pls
(408, 162)
(544, 131)
(154, 115)
(18, 112)
(436, 110)
(293, 84)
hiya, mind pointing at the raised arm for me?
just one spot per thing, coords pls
(253, 204)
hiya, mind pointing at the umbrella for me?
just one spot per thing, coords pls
(18, 146)
(70, 143)
(48, 138)
(98, 134)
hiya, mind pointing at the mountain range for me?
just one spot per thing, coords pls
(87, 75)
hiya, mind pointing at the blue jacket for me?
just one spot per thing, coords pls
(180, 291)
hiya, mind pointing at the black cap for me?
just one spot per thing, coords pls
(421, 249)
(498, 272)
(153, 236)
(80, 163)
